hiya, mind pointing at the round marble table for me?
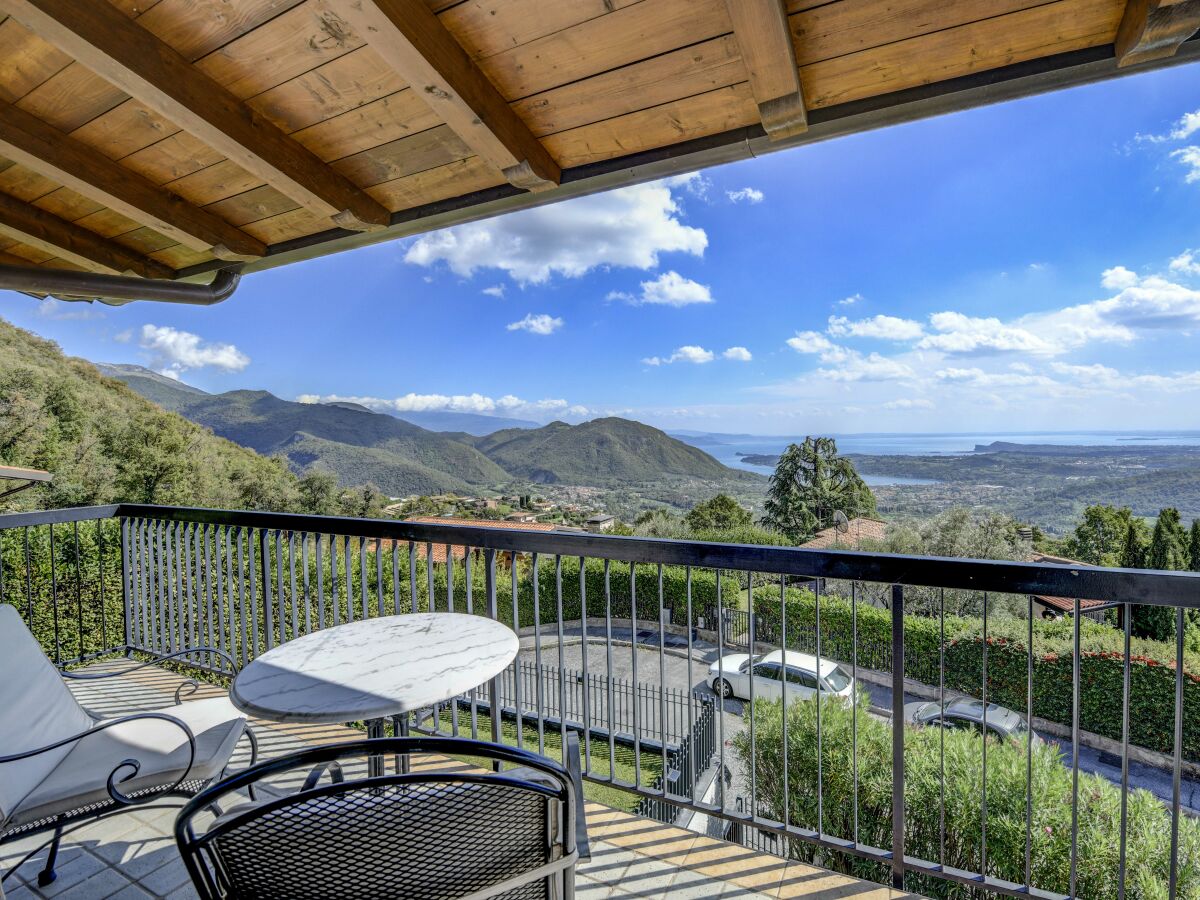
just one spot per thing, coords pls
(374, 668)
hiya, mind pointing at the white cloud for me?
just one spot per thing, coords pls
(959, 333)
(688, 353)
(909, 403)
(694, 183)
(508, 404)
(856, 367)
(68, 310)
(173, 351)
(888, 328)
(668, 289)
(747, 194)
(496, 290)
(537, 324)
(740, 354)
(1187, 125)
(1117, 278)
(851, 300)
(1190, 157)
(628, 227)
(1186, 263)
(812, 342)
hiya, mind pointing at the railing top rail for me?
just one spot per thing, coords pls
(58, 516)
(1083, 582)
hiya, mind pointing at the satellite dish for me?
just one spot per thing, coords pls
(840, 522)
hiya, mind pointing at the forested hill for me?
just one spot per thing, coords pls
(105, 444)
(602, 452)
(350, 441)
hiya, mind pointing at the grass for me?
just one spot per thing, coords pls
(601, 765)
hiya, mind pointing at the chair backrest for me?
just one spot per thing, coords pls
(433, 834)
(36, 709)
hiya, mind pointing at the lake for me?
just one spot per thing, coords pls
(727, 447)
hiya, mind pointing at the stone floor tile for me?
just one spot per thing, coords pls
(104, 883)
(131, 892)
(186, 892)
(166, 879)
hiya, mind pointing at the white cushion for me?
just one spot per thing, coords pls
(36, 709)
(81, 777)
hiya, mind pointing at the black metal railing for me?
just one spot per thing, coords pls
(686, 763)
(858, 789)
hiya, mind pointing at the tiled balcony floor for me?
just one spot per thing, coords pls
(132, 855)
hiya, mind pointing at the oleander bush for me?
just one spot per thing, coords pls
(938, 761)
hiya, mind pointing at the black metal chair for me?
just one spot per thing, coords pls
(428, 834)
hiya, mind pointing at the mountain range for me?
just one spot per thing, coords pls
(360, 445)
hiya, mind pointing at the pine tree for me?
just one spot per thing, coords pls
(1194, 547)
(1168, 550)
(1168, 545)
(811, 483)
(1133, 550)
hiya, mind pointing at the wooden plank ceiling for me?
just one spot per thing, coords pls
(157, 137)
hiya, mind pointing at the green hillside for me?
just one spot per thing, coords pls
(353, 443)
(367, 465)
(105, 444)
(601, 452)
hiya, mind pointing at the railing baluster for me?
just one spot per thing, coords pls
(223, 642)
(54, 599)
(412, 576)
(854, 708)
(380, 607)
(783, 647)
(983, 804)
(333, 581)
(450, 609)
(348, 566)
(898, 736)
(1074, 747)
(662, 681)
(264, 560)
(535, 572)
(1029, 752)
(363, 583)
(750, 712)
(516, 624)
(494, 684)
(320, 561)
(587, 707)
(1126, 666)
(820, 768)
(292, 575)
(562, 684)
(691, 696)
(1177, 757)
(720, 626)
(281, 590)
(633, 645)
(612, 748)
(78, 589)
(470, 611)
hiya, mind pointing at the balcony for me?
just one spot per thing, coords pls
(691, 794)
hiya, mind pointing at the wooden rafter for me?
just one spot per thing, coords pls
(74, 243)
(417, 46)
(765, 41)
(26, 139)
(101, 38)
(1154, 29)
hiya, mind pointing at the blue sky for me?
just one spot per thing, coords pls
(1028, 266)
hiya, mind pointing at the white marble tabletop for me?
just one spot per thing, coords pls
(374, 668)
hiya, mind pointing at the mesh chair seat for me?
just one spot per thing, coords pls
(432, 835)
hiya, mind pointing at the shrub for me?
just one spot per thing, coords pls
(958, 765)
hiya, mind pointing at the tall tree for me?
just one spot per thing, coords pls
(1169, 543)
(1168, 550)
(1133, 547)
(811, 482)
(1099, 539)
(1194, 546)
(720, 513)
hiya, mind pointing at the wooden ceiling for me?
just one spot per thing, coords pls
(167, 138)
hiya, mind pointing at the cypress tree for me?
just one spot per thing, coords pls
(1194, 547)
(1133, 550)
(1168, 550)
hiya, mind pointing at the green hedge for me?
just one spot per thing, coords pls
(1152, 676)
(958, 772)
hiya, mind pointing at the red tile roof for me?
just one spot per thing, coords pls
(859, 529)
(1063, 604)
(460, 552)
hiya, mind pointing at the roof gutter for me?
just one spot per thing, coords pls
(117, 290)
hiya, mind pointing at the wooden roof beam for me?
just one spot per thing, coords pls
(760, 28)
(1154, 29)
(101, 38)
(74, 243)
(418, 47)
(26, 139)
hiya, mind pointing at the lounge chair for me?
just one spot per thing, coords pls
(435, 832)
(60, 764)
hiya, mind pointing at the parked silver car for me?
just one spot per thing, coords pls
(731, 675)
(967, 714)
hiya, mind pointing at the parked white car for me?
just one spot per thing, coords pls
(731, 675)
